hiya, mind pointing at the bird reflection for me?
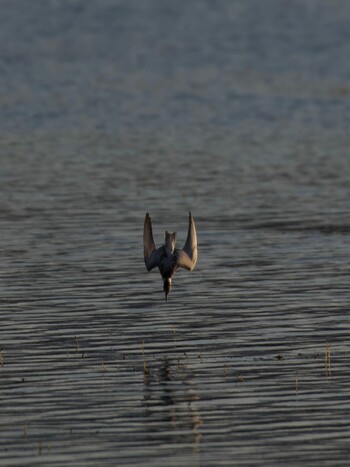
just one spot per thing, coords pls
(169, 403)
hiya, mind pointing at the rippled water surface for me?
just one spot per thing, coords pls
(237, 111)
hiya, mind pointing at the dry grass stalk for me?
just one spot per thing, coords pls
(104, 369)
(145, 366)
(328, 360)
(240, 377)
(26, 431)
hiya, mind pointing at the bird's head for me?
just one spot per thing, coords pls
(167, 287)
(170, 240)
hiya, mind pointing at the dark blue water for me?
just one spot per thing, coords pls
(235, 110)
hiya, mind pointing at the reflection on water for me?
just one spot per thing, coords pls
(170, 401)
(236, 111)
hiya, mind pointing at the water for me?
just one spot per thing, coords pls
(237, 111)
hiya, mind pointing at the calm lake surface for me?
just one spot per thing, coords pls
(236, 110)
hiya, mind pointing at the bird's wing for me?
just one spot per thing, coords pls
(187, 257)
(149, 247)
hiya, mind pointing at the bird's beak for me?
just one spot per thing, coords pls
(167, 288)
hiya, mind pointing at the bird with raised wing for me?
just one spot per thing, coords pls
(167, 257)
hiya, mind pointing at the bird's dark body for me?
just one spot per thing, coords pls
(167, 264)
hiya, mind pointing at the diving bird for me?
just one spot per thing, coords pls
(167, 257)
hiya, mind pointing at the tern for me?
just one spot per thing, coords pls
(167, 257)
